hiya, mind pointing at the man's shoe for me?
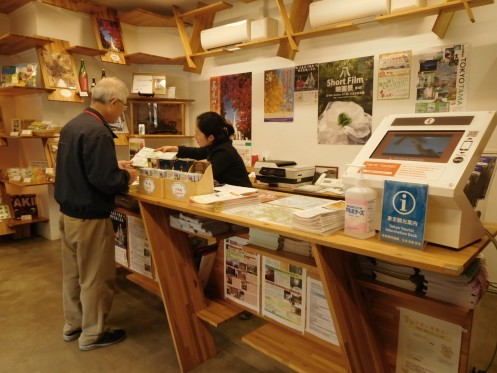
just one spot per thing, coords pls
(72, 336)
(109, 337)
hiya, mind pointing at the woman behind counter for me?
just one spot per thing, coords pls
(213, 135)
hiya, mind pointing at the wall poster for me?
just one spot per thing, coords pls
(231, 97)
(278, 95)
(394, 75)
(442, 80)
(427, 344)
(345, 104)
(306, 84)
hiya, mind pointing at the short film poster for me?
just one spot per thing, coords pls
(345, 104)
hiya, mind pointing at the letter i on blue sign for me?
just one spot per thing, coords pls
(403, 214)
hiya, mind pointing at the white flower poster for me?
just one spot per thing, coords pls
(345, 105)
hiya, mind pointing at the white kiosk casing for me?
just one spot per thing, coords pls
(438, 149)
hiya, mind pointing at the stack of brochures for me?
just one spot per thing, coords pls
(268, 240)
(464, 290)
(321, 219)
(197, 224)
(226, 197)
(398, 275)
(297, 247)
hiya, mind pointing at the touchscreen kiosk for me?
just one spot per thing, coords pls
(440, 150)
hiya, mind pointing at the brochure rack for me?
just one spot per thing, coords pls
(176, 190)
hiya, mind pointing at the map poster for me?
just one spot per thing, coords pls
(345, 104)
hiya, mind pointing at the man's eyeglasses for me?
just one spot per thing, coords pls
(124, 105)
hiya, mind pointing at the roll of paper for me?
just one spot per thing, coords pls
(327, 12)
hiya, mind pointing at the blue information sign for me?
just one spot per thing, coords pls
(403, 214)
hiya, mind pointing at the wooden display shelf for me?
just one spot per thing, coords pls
(430, 10)
(295, 351)
(7, 6)
(149, 59)
(20, 91)
(218, 311)
(218, 237)
(144, 18)
(78, 49)
(292, 258)
(161, 136)
(19, 228)
(13, 43)
(208, 9)
(22, 184)
(144, 281)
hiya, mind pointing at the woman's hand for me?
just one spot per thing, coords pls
(166, 148)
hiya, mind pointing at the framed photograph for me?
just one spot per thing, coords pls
(149, 83)
(109, 35)
(330, 172)
(121, 125)
(16, 125)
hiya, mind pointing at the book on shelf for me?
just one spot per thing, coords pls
(196, 224)
(204, 260)
(220, 201)
(265, 239)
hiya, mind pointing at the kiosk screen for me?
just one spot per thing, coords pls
(421, 146)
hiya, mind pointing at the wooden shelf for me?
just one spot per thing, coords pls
(77, 49)
(7, 6)
(12, 43)
(208, 9)
(218, 311)
(144, 18)
(159, 99)
(20, 91)
(295, 351)
(218, 237)
(20, 183)
(145, 282)
(149, 59)
(430, 10)
(292, 258)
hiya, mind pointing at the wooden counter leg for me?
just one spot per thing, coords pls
(180, 287)
(349, 311)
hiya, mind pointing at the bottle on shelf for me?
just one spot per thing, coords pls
(83, 77)
(93, 83)
(360, 204)
(103, 74)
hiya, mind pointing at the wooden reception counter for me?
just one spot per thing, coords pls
(361, 348)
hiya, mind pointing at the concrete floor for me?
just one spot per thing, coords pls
(31, 320)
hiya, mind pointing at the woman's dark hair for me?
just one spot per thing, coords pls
(211, 123)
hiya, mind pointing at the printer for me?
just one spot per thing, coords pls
(285, 174)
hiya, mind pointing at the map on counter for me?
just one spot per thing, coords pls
(140, 159)
(265, 212)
